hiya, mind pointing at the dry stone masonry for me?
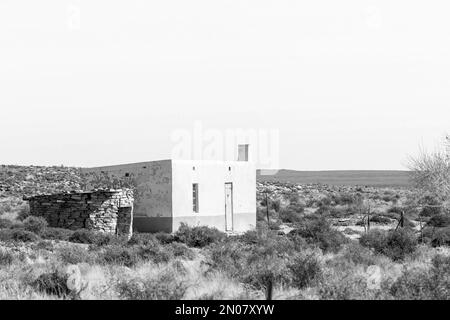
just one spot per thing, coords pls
(108, 211)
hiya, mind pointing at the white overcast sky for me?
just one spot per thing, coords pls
(348, 84)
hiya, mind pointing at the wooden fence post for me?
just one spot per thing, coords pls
(267, 210)
(269, 289)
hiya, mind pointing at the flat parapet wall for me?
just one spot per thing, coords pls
(108, 211)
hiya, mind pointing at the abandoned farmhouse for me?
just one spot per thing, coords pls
(166, 193)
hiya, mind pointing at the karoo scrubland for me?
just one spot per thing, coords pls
(311, 242)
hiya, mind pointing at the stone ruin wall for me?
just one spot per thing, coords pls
(108, 211)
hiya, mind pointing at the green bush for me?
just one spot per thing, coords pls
(400, 243)
(340, 212)
(133, 254)
(24, 212)
(164, 237)
(256, 259)
(53, 283)
(374, 239)
(198, 236)
(394, 244)
(437, 236)
(57, 234)
(357, 254)
(318, 231)
(19, 234)
(439, 220)
(35, 224)
(275, 205)
(5, 234)
(344, 199)
(95, 237)
(432, 206)
(180, 250)
(324, 202)
(114, 254)
(6, 258)
(344, 286)
(143, 239)
(5, 223)
(164, 287)
(289, 215)
(306, 270)
(74, 255)
(155, 253)
(432, 284)
(261, 214)
(380, 219)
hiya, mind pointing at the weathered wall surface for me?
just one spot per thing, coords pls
(152, 185)
(211, 177)
(104, 210)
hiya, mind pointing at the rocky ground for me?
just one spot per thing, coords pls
(347, 207)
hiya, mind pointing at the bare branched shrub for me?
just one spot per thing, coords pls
(431, 171)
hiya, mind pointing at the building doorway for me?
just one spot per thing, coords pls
(229, 206)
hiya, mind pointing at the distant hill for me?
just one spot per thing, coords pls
(30, 180)
(345, 177)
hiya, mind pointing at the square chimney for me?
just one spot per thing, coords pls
(243, 152)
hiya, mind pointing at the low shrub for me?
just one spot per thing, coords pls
(344, 199)
(5, 234)
(256, 259)
(374, 239)
(155, 253)
(394, 244)
(165, 286)
(249, 237)
(74, 255)
(397, 210)
(437, 236)
(53, 283)
(95, 237)
(198, 236)
(439, 220)
(400, 243)
(432, 206)
(5, 223)
(389, 198)
(432, 284)
(288, 215)
(340, 212)
(6, 258)
(380, 219)
(83, 236)
(345, 285)
(306, 270)
(19, 234)
(143, 239)
(180, 250)
(324, 202)
(35, 224)
(318, 231)
(114, 254)
(24, 212)
(357, 254)
(57, 234)
(133, 254)
(42, 245)
(164, 237)
(275, 205)
(261, 214)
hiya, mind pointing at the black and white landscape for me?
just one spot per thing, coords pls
(224, 150)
